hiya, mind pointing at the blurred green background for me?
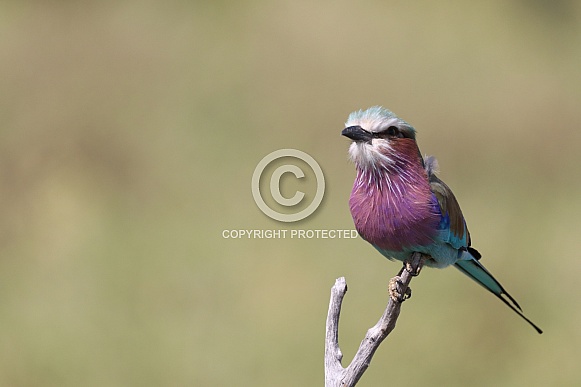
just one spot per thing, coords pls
(129, 134)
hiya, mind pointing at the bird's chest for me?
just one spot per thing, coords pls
(394, 215)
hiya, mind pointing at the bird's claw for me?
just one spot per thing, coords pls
(410, 268)
(395, 291)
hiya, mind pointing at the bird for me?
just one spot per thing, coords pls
(401, 207)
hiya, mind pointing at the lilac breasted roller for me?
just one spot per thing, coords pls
(400, 206)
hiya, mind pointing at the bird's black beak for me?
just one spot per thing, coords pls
(357, 133)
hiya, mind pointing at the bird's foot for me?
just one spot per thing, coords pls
(395, 290)
(414, 269)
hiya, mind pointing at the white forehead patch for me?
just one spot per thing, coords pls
(374, 119)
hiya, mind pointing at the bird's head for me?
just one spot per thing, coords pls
(380, 138)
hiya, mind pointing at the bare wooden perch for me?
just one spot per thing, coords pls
(335, 374)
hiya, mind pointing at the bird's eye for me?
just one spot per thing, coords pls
(393, 131)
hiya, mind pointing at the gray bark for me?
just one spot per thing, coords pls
(335, 374)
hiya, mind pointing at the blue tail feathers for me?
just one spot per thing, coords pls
(474, 269)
